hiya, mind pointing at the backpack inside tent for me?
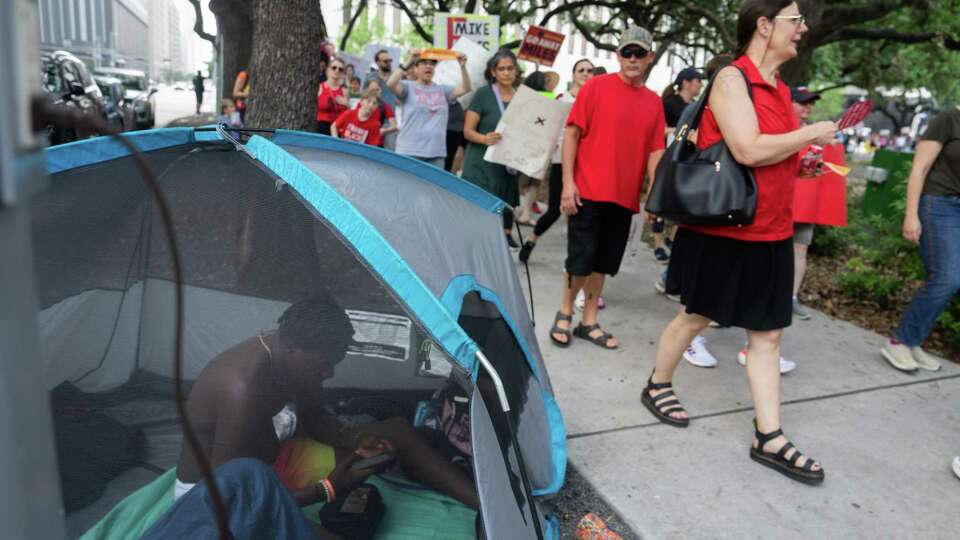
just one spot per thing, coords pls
(416, 257)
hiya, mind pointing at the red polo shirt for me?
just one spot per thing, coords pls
(620, 126)
(775, 115)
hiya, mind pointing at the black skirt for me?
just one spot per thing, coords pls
(733, 282)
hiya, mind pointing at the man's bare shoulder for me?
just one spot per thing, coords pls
(237, 373)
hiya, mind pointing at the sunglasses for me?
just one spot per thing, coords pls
(336, 68)
(428, 62)
(633, 52)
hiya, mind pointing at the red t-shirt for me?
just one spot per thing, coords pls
(775, 183)
(350, 127)
(328, 110)
(620, 126)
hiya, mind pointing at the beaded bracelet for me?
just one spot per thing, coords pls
(328, 485)
(323, 496)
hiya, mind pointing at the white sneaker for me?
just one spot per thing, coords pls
(956, 466)
(899, 356)
(580, 301)
(698, 355)
(661, 288)
(924, 360)
(786, 366)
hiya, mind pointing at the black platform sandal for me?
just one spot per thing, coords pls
(663, 404)
(557, 330)
(779, 461)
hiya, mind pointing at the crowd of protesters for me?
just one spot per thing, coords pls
(603, 168)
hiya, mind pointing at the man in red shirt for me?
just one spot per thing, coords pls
(361, 124)
(614, 136)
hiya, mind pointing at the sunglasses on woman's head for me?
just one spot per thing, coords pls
(633, 52)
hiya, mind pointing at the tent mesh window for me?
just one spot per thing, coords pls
(250, 247)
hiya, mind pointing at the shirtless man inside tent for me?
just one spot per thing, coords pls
(266, 390)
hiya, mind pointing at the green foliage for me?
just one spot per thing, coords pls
(369, 29)
(830, 105)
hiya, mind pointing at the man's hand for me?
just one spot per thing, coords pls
(370, 446)
(343, 100)
(912, 228)
(344, 479)
(570, 199)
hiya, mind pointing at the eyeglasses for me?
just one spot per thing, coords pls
(505, 69)
(633, 52)
(797, 20)
(386, 60)
(336, 68)
(584, 70)
(428, 62)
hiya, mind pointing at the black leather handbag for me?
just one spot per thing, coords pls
(703, 187)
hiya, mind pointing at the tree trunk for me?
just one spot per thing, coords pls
(235, 36)
(284, 70)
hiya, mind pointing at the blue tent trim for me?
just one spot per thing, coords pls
(452, 299)
(90, 151)
(417, 168)
(371, 245)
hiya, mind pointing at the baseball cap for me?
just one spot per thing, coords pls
(636, 35)
(801, 94)
(688, 74)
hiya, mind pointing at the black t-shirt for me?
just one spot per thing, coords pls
(673, 107)
(944, 176)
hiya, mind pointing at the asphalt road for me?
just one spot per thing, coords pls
(172, 104)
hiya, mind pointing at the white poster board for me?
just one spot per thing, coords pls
(530, 128)
(448, 28)
(477, 57)
(360, 65)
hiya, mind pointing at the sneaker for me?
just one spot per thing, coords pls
(525, 251)
(715, 324)
(535, 208)
(924, 360)
(698, 355)
(661, 255)
(661, 288)
(511, 242)
(786, 366)
(581, 301)
(956, 466)
(600, 303)
(899, 356)
(798, 310)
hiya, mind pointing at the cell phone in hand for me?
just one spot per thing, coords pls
(374, 462)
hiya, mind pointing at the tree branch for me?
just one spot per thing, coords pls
(198, 23)
(889, 34)
(719, 23)
(413, 19)
(361, 5)
(588, 35)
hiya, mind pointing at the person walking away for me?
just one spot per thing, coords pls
(803, 101)
(743, 276)
(479, 128)
(198, 89)
(932, 220)
(332, 98)
(537, 81)
(604, 162)
(425, 110)
(241, 93)
(685, 88)
(388, 120)
(456, 143)
(361, 124)
(582, 72)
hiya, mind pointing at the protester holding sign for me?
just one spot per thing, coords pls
(582, 72)
(479, 128)
(605, 159)
(361, 124)
(425, 109)
(332, 98)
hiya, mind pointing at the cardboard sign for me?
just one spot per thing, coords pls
(541, 46)
(449, 28)
(823, 199)
(438, 54)
(449, 72)
(530, 127)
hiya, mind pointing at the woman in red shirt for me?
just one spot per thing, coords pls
(743, 276)
(331, 97)
(361, 124)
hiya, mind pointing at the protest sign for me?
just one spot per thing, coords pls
(530, 128)
(477, 58)
(858, 112)
(438, 54)
(482, 29)
(541, 46)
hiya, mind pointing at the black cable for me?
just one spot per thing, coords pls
(45, 113)
(526, 264)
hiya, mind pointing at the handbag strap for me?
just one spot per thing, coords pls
(685, 129)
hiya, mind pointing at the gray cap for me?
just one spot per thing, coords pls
(636, 35)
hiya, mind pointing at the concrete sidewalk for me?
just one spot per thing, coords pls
(885, 438)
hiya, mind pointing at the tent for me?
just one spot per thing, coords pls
(416, 257)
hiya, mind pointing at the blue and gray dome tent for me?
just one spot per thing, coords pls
(416, 256)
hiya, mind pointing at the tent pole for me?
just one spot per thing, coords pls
(512, 428)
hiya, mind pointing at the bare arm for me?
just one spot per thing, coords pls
(390, 127)
(923, 160)
(470, 121)
(737, 119)
(238, 87)
(570, 199)
(333, 130)
(395, 83)
(464, 86)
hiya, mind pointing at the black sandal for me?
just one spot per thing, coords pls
(779, 461)
(557, 330)
(583, 332)
(663, 404)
